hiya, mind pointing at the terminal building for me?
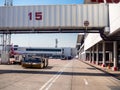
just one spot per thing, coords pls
(16, 52)
(103, 51)
(46, 52)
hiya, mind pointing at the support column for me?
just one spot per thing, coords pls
(93, 61)
(6, 40)
(90, 56)
(97, 54)
(104, 56)
(115, 56)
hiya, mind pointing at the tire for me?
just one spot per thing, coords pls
(44, 63)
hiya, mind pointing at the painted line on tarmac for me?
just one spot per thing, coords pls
(49, 83)
(86, 82)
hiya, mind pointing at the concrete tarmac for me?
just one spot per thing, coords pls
(59, 75)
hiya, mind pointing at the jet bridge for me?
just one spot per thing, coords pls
(53, 18)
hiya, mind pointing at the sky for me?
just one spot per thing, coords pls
(42, 2)
(44, 40)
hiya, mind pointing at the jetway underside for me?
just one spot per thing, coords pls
(53, 30)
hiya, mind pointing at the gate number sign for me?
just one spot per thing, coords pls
(38, 16)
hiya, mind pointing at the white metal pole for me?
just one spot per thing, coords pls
(97, 53)
(93, 61)
(104, 56)
(115, 55)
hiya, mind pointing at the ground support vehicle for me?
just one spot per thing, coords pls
(16, 59)
(35, 62)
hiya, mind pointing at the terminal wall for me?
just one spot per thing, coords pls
(114, 17)
(91, 40)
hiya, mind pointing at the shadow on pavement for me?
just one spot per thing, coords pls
(117, 76)
(48, 67)
(114, 88)
(52, 72)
